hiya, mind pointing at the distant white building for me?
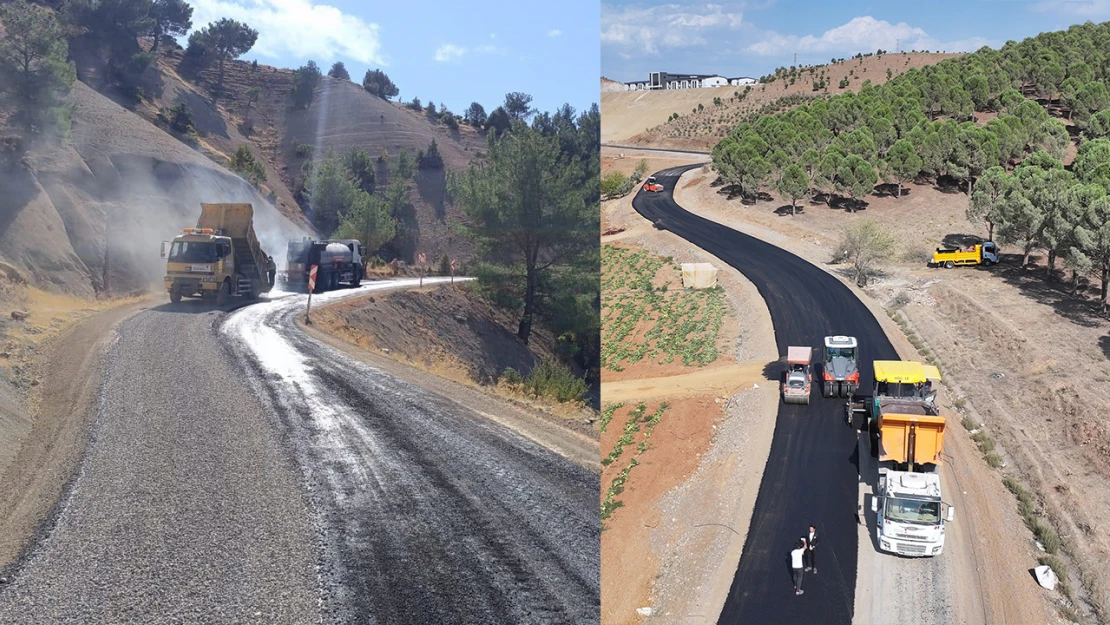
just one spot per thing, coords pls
(666, 80)
(740, 82)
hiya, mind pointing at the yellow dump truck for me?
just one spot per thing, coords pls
(907, 438)
(218, 258)
(978, 254)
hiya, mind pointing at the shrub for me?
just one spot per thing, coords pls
(178, 117)
(994, 460)
(303, 150)
(554, 380)
(244, 164)
(511, 377)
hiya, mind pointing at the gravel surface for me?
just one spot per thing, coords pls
(186, 508)
(427, 512)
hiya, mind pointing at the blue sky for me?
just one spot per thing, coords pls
(450, 52)
(753, 38)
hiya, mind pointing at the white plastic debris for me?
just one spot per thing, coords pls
(755, 386)
(1046, 577)
(643, 611)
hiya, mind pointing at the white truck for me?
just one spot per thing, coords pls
(907, 437)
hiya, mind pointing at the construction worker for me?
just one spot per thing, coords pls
(271, 268)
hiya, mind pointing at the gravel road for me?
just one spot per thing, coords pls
(239, 471)
(187, 507)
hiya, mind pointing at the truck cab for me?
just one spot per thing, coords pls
(198, 261)
(910, 514)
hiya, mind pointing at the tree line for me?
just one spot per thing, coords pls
(920, 125)
(532, 207)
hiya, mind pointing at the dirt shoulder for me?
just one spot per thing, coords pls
(64, 375)
(352, 326)
(691, 493)
(988, 544)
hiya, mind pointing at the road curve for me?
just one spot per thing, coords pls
(240, 471)
(811, 474)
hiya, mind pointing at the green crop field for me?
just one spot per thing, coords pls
(642, 322)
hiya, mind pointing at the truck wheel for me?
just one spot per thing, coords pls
(175, 296)
(223, 294)
(949, 264)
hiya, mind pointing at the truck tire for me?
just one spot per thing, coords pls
(949, 264)
(175, 296)
(224, 294)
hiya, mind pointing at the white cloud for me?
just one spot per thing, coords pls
(648, 30)
(449, 52)
(298, 28)
(554, 33)
(862, 34)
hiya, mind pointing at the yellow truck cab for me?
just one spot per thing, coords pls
(978, 254)
(218, 258)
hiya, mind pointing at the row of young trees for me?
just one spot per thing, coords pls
(920, 124)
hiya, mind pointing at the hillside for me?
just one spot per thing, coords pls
(342, 116)
(88, 217)
(641, 118)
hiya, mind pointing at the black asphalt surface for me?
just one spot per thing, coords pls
(426, 512)
(811, 473)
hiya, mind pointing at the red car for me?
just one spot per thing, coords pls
(652, 186)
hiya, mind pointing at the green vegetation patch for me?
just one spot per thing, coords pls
(637, 417)
(640, 321)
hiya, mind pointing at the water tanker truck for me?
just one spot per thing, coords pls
(218, 258)
(906, 433)
(338, 261)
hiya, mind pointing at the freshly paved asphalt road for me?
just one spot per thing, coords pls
(241, 472)
(811, 474)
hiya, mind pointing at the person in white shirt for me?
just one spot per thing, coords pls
(796, 564)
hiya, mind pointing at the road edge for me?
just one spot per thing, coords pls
(574, 446)
(38, 481)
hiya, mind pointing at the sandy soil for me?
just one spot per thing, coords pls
(640, 117)
(979, 323)
(447, 331)
(690, 498)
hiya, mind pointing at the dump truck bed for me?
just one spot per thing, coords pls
(902, 434)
